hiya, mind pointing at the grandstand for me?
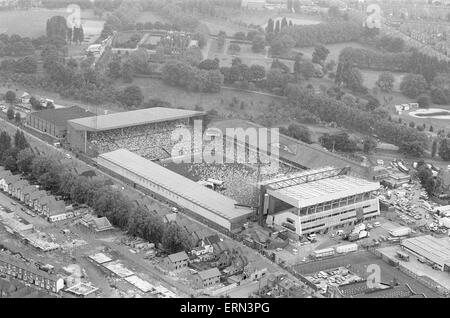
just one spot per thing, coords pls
(208, 206)
(298, 153)
(145, 131)
(314, 201)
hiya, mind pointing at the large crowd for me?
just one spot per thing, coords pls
(152, 141)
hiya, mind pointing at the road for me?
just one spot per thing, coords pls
(255, 256)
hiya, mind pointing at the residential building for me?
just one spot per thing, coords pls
(55, 210)
(35, 197)
(208, 278)
(26, 192)
(19, 270)
(96, 224)
(9, 181)
(3, 175)
(18, 187)
(177, 261)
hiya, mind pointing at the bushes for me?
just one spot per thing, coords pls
(413, 85)
(192, 78)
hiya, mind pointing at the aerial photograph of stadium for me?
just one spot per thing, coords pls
(226, 150)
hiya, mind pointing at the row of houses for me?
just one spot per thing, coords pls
(38, 200)
(21, 271)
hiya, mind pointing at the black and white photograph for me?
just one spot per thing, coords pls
(224, 156)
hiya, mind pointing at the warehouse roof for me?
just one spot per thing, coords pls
(311, 156)
(184, 187)
(178, 257)
(60, 116)
(132, 118)
(323, 185)
(209, 273)
(434, 249)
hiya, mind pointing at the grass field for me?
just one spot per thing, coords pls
(32, 23)
(255, 104)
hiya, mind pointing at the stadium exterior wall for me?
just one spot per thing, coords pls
(204, 215)
(76, 138)
(333, 218)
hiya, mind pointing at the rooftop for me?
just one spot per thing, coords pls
(60, 116)
(311, 156)
(207, 198)
(306, 188)
(434, 249)
(132, 118)
(209, 273)
(177, 257)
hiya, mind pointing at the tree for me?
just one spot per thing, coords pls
(284, 23)
(434, 148)
(10, 97)
(413, 85)
(25, 159)
(128, 72)
(114, 68)
(277, 26)
(240, 36)
(414, 148)
(257, 72)
(424, 101)
(306, 69)
(5, 142)
(234, 47)
(282, 44)
(10, 164)
(444, 149)
(258, 44)
(57, 27)
(209, 64)
(175, 239)
(10, 113)
(17, 117)
(385, 81)
(300, 132)
(131, 96)
(270, 26)
(20, 142)
(221, 38)
(320, 54)
(35, 104)
(369, 144)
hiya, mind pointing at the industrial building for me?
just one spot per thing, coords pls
(79, 130)
(316, 200)
(202, 203)
(434, 250)
(54, 121)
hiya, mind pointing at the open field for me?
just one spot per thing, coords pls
(32, 23)
(254, 104)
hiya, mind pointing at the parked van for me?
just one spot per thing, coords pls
(376, 224)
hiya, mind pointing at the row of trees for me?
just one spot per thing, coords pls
(28, 64)
(17, 156)
(325, 33)
(15, 45)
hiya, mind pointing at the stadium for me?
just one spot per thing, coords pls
(146, 131)
(127, 143)
(314, 201)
